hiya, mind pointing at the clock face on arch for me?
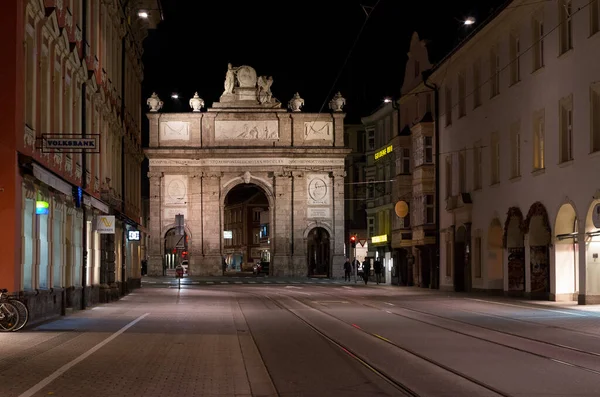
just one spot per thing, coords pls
(317, 189)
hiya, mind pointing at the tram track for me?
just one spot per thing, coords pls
(539, 355)
(400, 386)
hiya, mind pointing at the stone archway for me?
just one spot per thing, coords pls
(566, 252)
(175, 250)
(246, 221)
(318, 248)
(460, 252)
(592, 251)
(537, 226)
(495, 256)
(514, 242)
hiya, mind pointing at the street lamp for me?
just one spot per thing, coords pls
(469, 21)
(143, 14)
(175, 95)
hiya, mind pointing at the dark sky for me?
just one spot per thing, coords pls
(303, 44)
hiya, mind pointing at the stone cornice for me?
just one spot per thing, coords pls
(252, 152)
(248, 162)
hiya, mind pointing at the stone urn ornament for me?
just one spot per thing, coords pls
(196, 103)
(154, 102)
(296, 103)
(337, 103)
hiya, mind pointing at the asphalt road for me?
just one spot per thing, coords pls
(327, 339)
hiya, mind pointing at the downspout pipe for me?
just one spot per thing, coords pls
(435, 273)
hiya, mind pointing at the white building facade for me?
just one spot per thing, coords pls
(519, 125)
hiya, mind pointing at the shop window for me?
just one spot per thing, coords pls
(57, 248)
(28, 244)
(43, 251)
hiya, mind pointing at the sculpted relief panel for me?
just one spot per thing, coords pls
(318, 189)
(251, 129)
(174, 131)
(175, 189)
(318, 130)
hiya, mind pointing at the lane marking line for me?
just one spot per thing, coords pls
(528, 307)
(46, 381)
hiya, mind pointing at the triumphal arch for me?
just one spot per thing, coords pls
(202, 162)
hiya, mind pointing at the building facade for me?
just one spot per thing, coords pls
(295, 159)
(68, 80)
(520, 154)
(356, 192)
(400, 178)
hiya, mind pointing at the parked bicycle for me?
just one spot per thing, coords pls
(14, 313)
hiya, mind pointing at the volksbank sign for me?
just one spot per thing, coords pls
(86, 143)
(70, 143)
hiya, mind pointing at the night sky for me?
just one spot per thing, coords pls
(303, 44)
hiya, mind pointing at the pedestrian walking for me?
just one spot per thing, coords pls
(347, 270)
(366, 270)
(377, 268)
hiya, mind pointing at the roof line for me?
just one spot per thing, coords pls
(479, 27)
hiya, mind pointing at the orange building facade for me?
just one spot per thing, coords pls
(71, 70)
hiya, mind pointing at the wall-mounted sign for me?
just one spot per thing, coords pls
(133, 235)
(384, 152)
(379, 239)
(42, 207)
(105, 224)
(70, 143)
(227, 234)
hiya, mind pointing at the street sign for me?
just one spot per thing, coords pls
(69, 143)
(362, 242)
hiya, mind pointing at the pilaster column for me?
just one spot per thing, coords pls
(155, 254)
(582, 276)
(282, 232)
(211, 224)
(338, 126)
(194, 222)
(337, 213)
(299, 224)
(527, 255)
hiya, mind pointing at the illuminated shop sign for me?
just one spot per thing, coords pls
(383, 152)
(228, 234)
(133, 235)
(42, 207)
(379, 239)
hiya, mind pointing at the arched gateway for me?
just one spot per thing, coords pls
(249, 179)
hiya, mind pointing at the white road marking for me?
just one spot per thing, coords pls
(210, 282)
(224, 282)
(252, 282)
(527, 307)
(387, 303)
(46, 381)
(166, 282)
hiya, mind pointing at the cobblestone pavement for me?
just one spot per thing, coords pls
(310, 337)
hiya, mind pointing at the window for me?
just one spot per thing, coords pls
(370, 188)
(538, 43)
(45, 100)
(28, 244)
(477, 256)
(371, 140)
(256, 236)
(256, 215)
(405, 161)
(495, 158)
(429, 209)
(595, 117)
(428, 144)
(566, 129)
(515, 150)
(566, 26)
(30, 84)
(594, 17)
(448, 106)
(462, 100)
(539, 139)
(448, 176)
(494, 72)
(371, 227)
(477, 166)
(477, 84)
(462, 171)
(57, 247)
(515, 59)
(43, 252)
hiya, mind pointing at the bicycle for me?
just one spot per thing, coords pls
(22, 310)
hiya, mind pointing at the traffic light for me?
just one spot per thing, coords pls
(353, 241)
